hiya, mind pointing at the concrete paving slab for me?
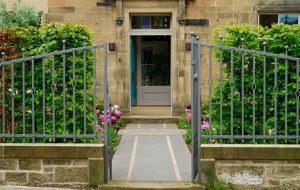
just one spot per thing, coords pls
(152, 152)
(153, 162)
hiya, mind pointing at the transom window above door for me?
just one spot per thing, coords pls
(150, 22)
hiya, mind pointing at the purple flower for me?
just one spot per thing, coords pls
(189, 116)
(189, 107)
(113, 120)
(118, 114)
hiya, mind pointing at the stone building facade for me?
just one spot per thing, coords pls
(139, 27)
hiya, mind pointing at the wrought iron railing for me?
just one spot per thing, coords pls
(252, 96)
(52, 97)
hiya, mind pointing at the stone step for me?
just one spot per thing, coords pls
(151, 111)
(148, 119)
(125, 185)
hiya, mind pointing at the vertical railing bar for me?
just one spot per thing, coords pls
(94, 90)
(23, 91)
(253, 94)
(84, 87)
(221, 88)
(106, 178)
(264, 91)
(33, 100)
(297, 104)
(3, 97)
(193, 49)
(231, 94)
(53, 98)
(210, 89)
(275, 101)
(200, 111)
(74, 95)
(44, 91)
(64, 88)
(110, 141)
(286, 96)
(13, 93)
(243, 89)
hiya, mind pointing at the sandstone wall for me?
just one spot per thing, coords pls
(53, 165)
(253, 166)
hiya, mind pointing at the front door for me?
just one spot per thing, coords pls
(154, 70)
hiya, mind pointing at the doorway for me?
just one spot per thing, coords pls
(151, 70)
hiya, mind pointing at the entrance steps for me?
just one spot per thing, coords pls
(149, 115)
(125, 185)
(148, 119)
(151, 110)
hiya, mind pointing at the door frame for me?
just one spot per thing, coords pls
(153, 32)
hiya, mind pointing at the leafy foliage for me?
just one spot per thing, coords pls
(42, 72)
(277, 38)
(20, 16)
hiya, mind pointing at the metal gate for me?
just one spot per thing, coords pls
(252, 96)
(53, 97)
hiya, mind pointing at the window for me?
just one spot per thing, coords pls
(267, 20)
(150, 22)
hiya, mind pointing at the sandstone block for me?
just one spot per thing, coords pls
(37, 178)
(15, 177)
(30, 164)
(96, 171)
(57, 162)
(8, 164)
(71, 174)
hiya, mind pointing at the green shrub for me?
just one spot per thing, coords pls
(20, 16)
(277, 38)
(52, 35)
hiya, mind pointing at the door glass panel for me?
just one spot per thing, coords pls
(155, 61)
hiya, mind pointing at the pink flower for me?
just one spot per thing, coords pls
(205, 125)
(101, 117)
(212, 141)
(101, 139)
(100, 129)
(113, 120)
(189, 116)
(97, 111)
(118, 114)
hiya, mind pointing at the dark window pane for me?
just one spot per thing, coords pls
(140, 22)
(160, 22)
(267, 20)
(288, 19)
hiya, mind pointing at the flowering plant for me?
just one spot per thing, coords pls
(113, 117)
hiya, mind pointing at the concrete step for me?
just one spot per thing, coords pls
(147, 119)
(151, 111)
(124, 185)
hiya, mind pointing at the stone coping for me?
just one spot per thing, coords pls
(59, 150)
(250, 152)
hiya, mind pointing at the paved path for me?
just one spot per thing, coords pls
(152, 152)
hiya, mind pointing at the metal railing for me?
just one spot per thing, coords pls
(252, 96)
(53, 97)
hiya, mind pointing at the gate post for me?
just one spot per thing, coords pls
(195, 109)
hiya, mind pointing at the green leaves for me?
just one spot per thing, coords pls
(277, 38)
